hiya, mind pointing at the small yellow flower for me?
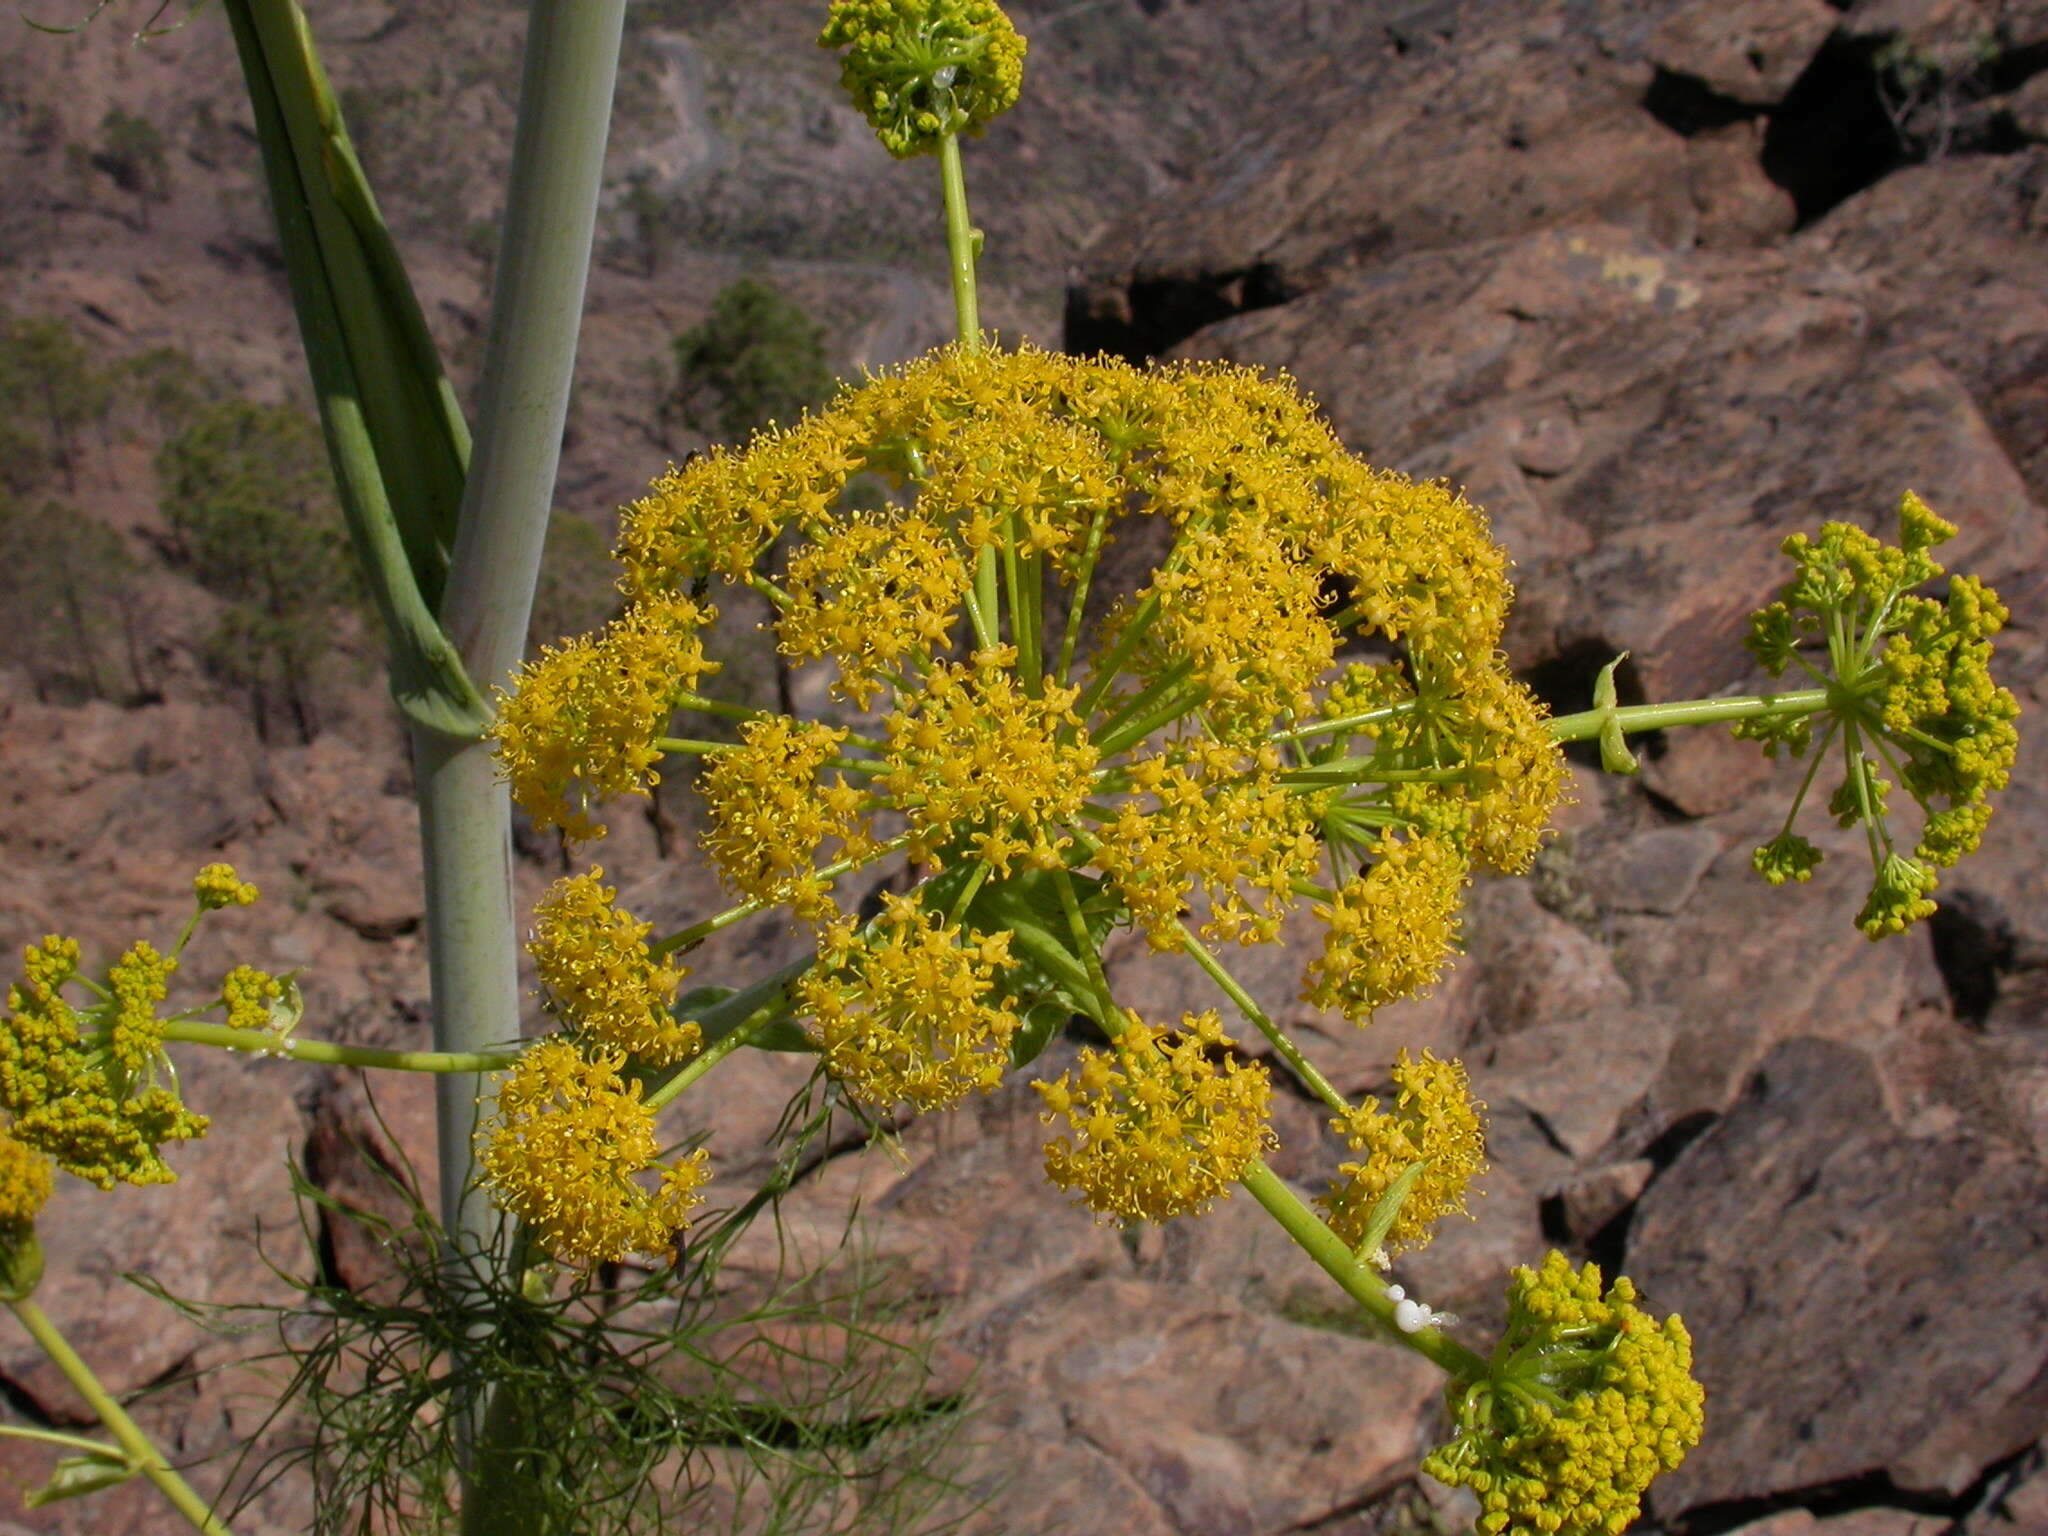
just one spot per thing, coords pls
(599, 975)
(582, 722)
(1434, 1121)
(27, 1178)
(564, 1150)
(771, 814)
(1161, 1127)
(1390, 929)
(911, 1014)
(218, 886)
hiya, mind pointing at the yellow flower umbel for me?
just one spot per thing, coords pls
(88, 1087)
(1160, 1126)
(1389, 931)
(599, 975)
(911, 1013)
(566, 1148)
(1193, 757)
(1586, 1399)
(1434, 1125)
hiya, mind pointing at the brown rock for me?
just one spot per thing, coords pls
(1748, 50)
(1592, 1199)
(1658, 870)
(1865, 1301)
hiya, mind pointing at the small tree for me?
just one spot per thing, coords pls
(245, 488)
(758, 357)
(45, 366)
(131, 151)
(66, 584)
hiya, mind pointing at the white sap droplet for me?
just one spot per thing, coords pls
(1395, 1292)
(1411, 1316)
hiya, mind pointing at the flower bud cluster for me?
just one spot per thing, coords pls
(920, 70)
(1588, 1398)
(1910, 695)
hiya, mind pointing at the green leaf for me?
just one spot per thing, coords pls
(1049, 982)
(1615, 756)
(76, 1476)
(395, 434)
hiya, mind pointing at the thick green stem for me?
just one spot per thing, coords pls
(571, 62)
(962, 239)
(1656, 717)
(565, 101)
(260, 1042)
(140, 1448)
(1362, 1284)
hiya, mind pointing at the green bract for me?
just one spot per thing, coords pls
(922, 69)
(1910, 695)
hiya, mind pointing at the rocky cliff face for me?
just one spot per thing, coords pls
(1658, 283)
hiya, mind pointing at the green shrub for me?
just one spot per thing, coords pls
(245, 488)
(758, 357)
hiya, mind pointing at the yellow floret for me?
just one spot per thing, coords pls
(1160, 1126)
(1434, 1121)
(771, 814)
(1390, 929)
(583, 722)
(247, 993)
(913, 1013)
(564, 1150)
(975, 755)
(599, 975)
(139, 980)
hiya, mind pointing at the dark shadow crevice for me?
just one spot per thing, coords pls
(1868, 1490)
(1148, 316)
